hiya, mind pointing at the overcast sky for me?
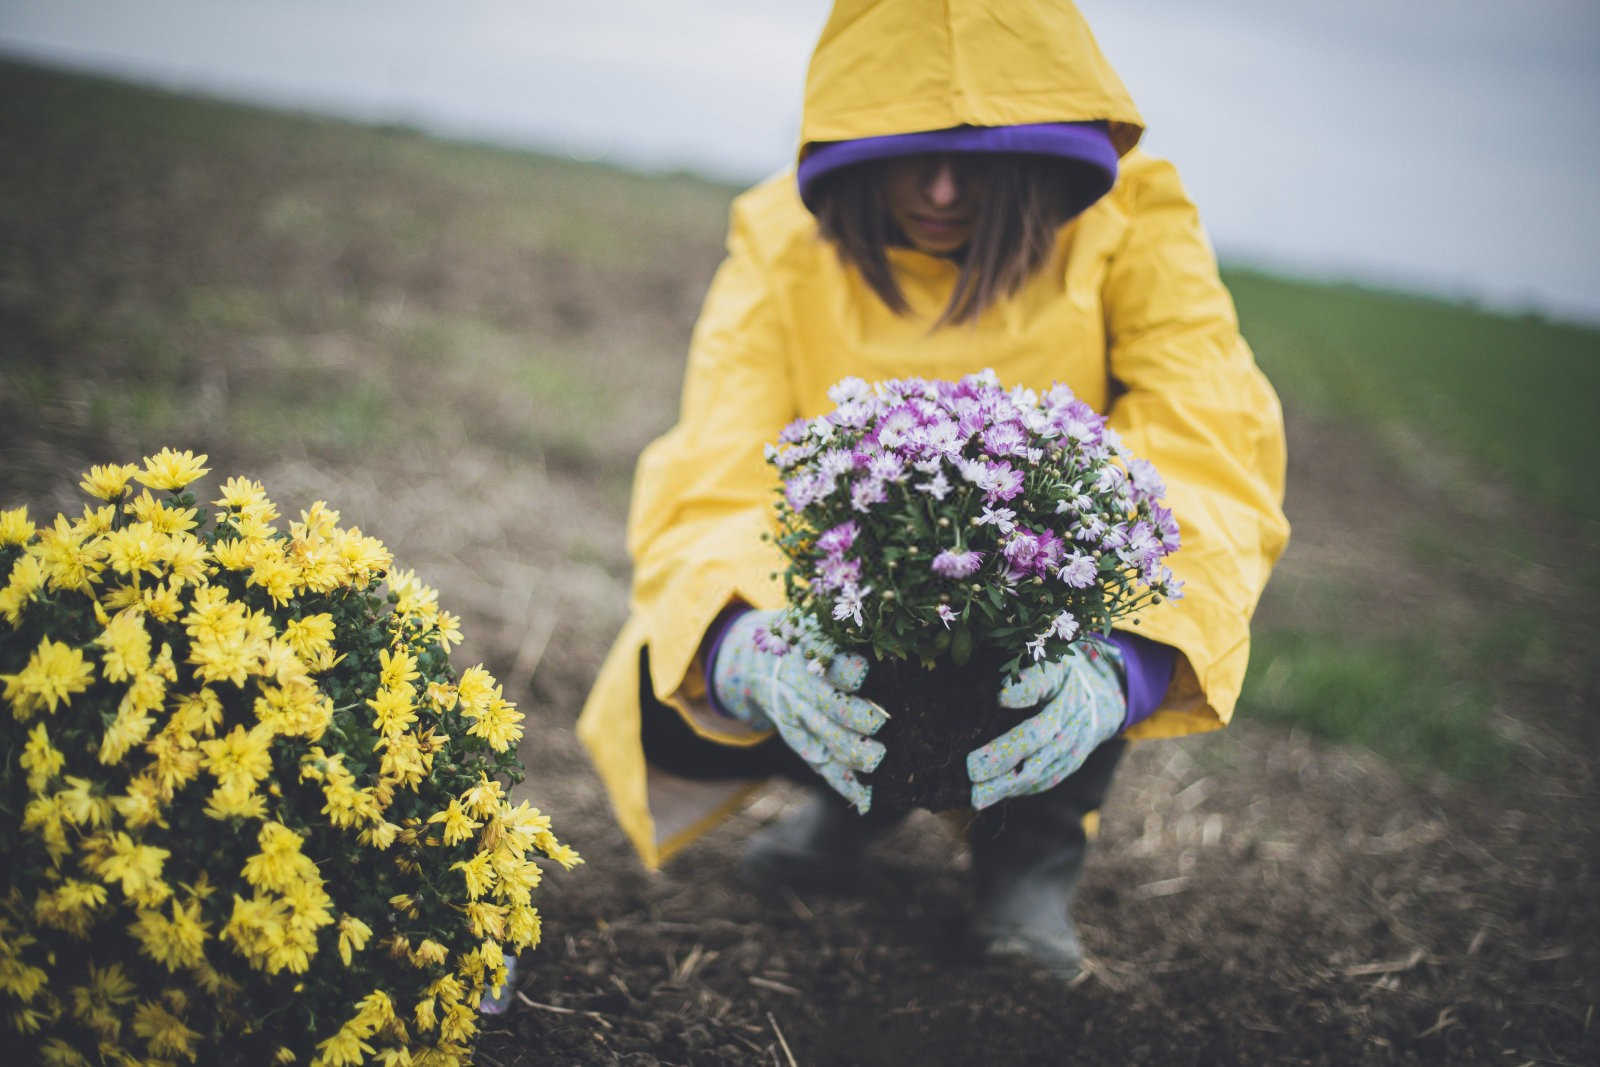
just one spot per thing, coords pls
(1444, 145)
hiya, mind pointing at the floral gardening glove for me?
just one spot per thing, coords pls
(805, 693)
(1083, 708)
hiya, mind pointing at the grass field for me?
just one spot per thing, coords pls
(251, 284)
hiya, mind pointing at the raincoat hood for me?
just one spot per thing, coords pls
(886, 67)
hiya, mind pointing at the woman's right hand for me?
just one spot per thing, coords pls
(814, 711)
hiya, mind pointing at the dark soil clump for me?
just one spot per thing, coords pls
(937, 716)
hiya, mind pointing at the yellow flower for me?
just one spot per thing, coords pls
(68, 561)
(397, 667)
(163, 515)
(236, 802)
(127, 645)
(430, 951)
(404, 761)
(199, 712)
(380, 835)
(458, 825)
(171, 470)
(487, 919)
(485, 798)
(298, 709)
(137, 867)
(140, 806)
(270, 570)
(344, 1047)
(243, 494)
(71, 906)
(523, 926)
(478, 874)
(311, 636)
(83, 807)
(164, 1032)
(395, 713)
(448, 633)
(107, 481)
(135, 549)
(185, 557)
(500, 724)
(174, 943)
(279, 864)
(27, 578)
(42, 760)
(476, 689)
(241, 759)
(353, 935)
(233, 555)
(15, 529)
(53, 674)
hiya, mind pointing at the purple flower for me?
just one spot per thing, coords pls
(1064, 626)
(867, 493)
(795, 432)
(1005, 439)
(1001, 519)
(887, 467)
(805, 488)
(1167, 524)
(849, 389)
(766, 641)
(895, 428)
(1000, 481)
(1021, 550)
(946, 615)
(1078, 571)
(837, 572)
(1078, 422)
(835, 462)
(937, 487)
(1146, 479)
(848, 604)
(940, 437)
(953, 564)
(838, 540)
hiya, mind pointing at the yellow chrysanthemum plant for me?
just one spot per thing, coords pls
(249, 811)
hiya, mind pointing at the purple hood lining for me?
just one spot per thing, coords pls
(1087, 143)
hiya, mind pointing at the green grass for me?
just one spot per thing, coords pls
(1514, 396)
(1397, 699)
(184, 271)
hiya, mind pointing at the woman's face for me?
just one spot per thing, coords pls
(932, 199)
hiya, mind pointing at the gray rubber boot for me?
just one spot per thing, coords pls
(1024, 910)
(1027, 857)
(822, 846)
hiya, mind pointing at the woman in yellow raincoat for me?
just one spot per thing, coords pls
(968, 194)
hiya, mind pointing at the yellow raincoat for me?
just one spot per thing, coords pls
(1128, 311)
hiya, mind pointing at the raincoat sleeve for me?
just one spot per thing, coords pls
(1194, 403)
(704, 493)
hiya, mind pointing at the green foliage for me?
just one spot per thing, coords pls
(1513, 396)
(1395, 698)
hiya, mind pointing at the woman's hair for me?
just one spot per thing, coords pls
(1024, 200)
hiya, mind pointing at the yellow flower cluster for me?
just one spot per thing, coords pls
(248, 788)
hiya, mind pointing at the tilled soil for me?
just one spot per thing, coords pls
(1253, 897)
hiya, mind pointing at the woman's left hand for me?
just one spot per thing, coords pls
(1083, 707)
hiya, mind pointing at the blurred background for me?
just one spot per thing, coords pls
(1432, 145)
(438, 263)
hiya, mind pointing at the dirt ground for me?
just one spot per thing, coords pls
(1254, 897)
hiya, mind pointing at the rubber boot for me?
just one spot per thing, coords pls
(1027, 857)
(822, 846)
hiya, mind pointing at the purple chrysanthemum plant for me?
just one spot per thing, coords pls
(928, 519)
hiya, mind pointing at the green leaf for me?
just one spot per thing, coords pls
(961, 645)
